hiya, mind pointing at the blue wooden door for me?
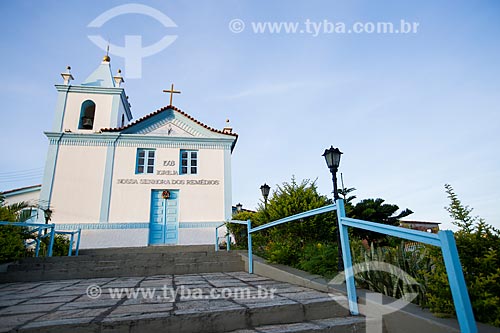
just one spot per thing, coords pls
(164, 223)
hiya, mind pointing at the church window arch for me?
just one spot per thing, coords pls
(87, 115)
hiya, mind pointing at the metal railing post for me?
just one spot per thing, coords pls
(228, 244)
(37, 249)
(71, 244)
(51, 243)
(216, 239)
(250, 256)
(347, 258)
(463, 307)
(78, 242)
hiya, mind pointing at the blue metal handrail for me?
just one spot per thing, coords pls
(228, 238)
(39, 227)
(71, 239)
(444, 239)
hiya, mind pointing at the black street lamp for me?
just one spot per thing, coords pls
(332, 157)
(265, 193)
(239, 207)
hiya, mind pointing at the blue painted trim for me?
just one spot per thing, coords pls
(166, 116)
(190, 225)
(62, 98)
(130, 225)
(228, 196)
(189, 158)
(50, 170)
(115, 109)
(146, 158)
(102, 226)
(107, 185)
(90, 89)
(135, 140)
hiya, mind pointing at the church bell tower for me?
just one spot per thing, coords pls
(98, 102)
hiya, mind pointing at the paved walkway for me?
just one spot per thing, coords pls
(93, 302)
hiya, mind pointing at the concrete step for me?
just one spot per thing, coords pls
(81, 261)
(329, 325)
(119, 264)
(63, 306)
(150, 249)
(132, 256)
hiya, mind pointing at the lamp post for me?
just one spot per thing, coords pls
(265, 193)
(239, 207)
(332, 158)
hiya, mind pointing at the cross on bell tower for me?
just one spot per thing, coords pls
(171, 92)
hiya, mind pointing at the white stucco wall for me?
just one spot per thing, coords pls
(197, 203)
(92, 239)
(30, 197)
(78, 184)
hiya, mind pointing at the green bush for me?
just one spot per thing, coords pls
(319, 258)
(481, 266)
(12, 243)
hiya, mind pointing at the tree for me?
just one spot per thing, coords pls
(12, 213)
(478, 244)
(375, 210)
(344, 193)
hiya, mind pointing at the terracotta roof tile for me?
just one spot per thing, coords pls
(169, 107)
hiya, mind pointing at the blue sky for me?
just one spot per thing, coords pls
(411, 112)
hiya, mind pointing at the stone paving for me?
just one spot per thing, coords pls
(94, 303)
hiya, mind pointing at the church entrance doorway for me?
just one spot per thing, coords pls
(164, 221)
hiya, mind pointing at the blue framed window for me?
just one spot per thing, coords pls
(145, 161)
(189, 162)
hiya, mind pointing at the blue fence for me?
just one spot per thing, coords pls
(228, 237)
(37, 230)
(444, 239)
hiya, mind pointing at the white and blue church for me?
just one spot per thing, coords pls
(162, 179)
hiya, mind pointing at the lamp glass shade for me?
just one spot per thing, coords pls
(265, 190)
(332, 157)
(239, 207)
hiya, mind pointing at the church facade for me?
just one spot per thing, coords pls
(162, 179)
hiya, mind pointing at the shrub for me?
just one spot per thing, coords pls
(12, 243)
(392, 283)
(60, 247)
(320, 258)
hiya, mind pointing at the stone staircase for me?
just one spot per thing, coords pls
(221, 298)
(117, 262)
